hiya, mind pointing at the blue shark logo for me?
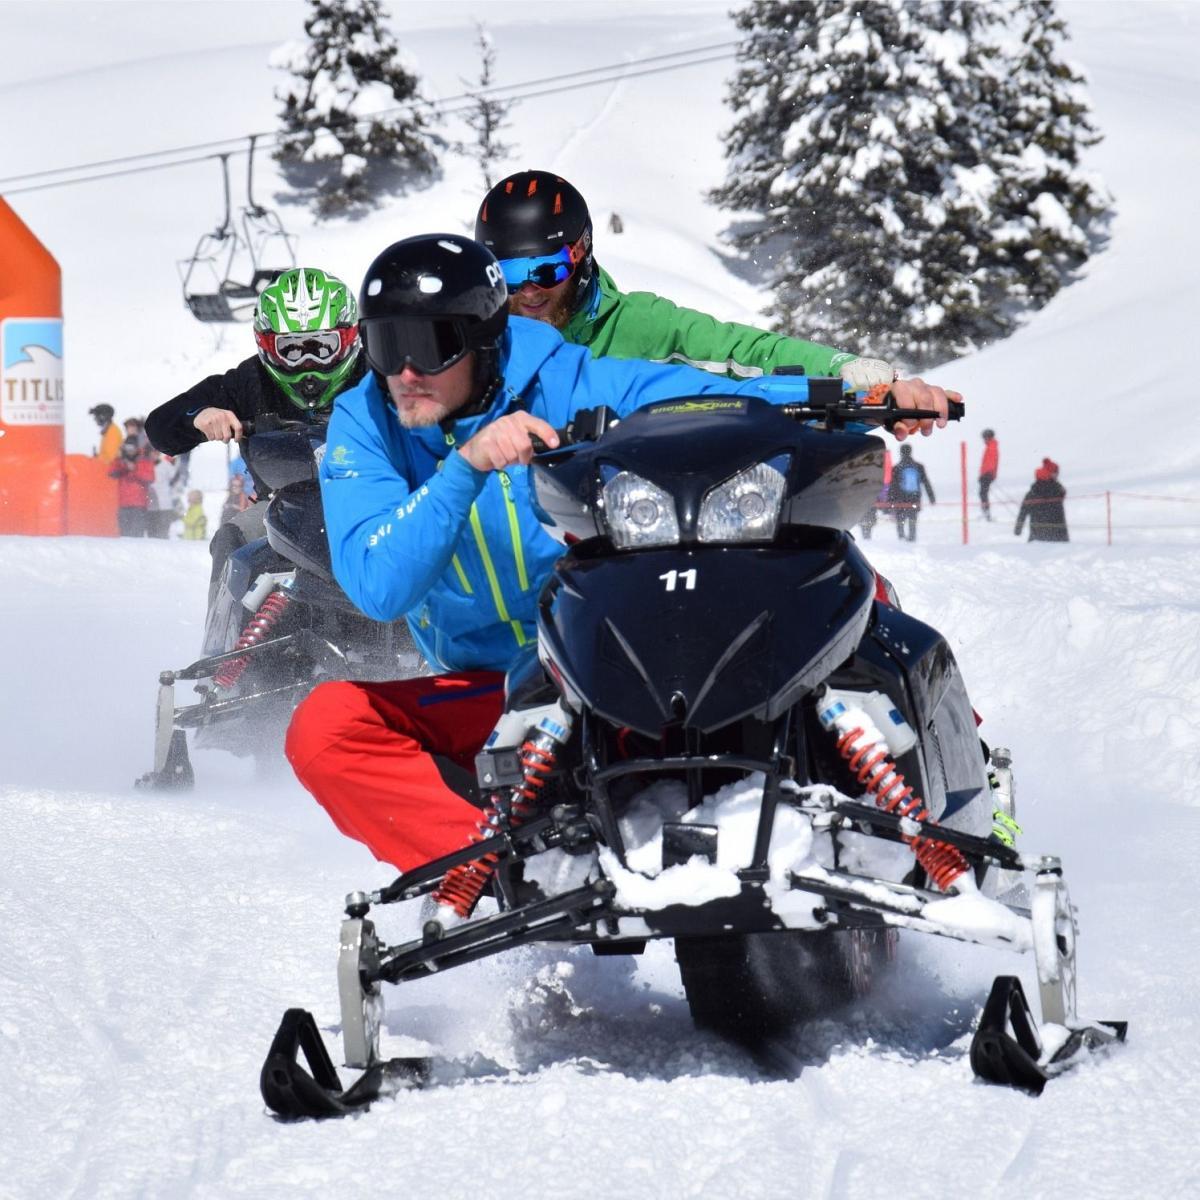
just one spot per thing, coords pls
(31, 382)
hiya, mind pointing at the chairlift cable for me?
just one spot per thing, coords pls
(444, 107)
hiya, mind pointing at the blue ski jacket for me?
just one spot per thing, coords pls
(416, 531)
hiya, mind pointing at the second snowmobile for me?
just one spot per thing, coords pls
(277, 624)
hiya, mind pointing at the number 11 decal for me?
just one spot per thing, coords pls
(671, 578)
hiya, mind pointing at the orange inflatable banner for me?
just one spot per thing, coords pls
(32, 476)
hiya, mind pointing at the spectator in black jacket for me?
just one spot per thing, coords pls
(908, 478)
(1043, 505)
(306, 327)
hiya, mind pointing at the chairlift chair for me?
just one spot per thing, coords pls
(233, 291)
(214, 254)
(263, 228)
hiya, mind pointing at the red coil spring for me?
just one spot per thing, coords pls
(464, 884)
(877, 773)
(261, 624)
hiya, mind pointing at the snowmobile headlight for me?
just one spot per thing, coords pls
(639, 513)
(745, 508)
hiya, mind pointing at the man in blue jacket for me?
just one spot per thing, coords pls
(427, 510)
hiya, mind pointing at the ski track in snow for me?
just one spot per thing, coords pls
(149, 943)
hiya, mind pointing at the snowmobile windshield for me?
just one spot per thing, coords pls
(428, 346)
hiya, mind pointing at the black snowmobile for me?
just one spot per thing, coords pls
(712, 624)
(278, 623)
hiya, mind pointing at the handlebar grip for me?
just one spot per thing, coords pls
(539, 447)
(957, 410)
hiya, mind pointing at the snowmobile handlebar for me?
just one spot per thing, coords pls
(835, 409)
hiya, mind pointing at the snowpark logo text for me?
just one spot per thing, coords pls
(31, 381)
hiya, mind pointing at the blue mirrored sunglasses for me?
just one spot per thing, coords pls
(545, 272)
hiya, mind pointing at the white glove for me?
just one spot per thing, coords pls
(864, 373)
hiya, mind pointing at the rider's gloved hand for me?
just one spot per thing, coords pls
(862, 374)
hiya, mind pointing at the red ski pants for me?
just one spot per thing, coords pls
(367, 752)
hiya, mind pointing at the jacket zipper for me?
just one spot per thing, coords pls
(488, 566)
(514, 529)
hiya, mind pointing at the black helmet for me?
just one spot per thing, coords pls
(536, 214)
(429, 300)
(102, 412)
(988, 434)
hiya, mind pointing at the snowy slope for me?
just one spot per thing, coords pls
(149, 944)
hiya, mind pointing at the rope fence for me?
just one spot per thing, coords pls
(1109, 517)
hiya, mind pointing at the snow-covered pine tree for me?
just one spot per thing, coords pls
(874, 153)
(487, 115)
(352, 122)
(1050, 213)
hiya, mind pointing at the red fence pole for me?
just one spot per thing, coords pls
(963, 458)
(1108, 514)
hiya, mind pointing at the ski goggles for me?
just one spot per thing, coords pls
(321, 347)
(546, 271)
(428, 346)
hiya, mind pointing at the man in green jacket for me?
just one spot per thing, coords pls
(540, 229)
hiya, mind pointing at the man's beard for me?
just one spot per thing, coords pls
(557, 313)
(426, 413)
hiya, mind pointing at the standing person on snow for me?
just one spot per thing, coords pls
(908, 478)
(540, 229)
(306, 327)
(1043, 505)
(989, 467)
(111, 436)
(427, 507)
(134, 474)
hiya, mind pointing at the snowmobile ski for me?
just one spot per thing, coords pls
(293, 1093)
(1008, 1048)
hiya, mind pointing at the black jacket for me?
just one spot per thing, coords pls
(1043, 505)
(247, 390)
(910, 496)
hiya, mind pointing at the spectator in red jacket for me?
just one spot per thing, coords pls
(134, 474)
(988, 469)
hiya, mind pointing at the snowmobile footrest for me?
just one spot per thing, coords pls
(1007, 1050)
(294, 1094)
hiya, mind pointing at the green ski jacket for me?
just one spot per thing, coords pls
(642, 325)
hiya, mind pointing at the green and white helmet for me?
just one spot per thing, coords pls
(306, 327)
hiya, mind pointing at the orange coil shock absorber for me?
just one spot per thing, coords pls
(462, 886)
(259, 626)
(866, 752)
